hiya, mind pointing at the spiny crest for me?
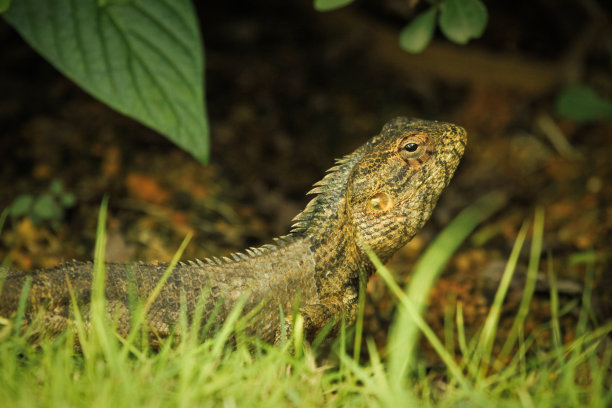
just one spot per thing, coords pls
(239, 256)
(328, 192)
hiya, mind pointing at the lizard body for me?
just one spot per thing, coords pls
(376, 198)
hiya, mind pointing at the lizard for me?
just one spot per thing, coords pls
(374, 199)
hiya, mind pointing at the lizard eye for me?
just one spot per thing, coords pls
(411, 147)
(414, 148)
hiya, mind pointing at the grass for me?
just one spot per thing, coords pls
(115, 372)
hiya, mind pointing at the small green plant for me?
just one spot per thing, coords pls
(48, 207)
(329, 5)
(459, 20)
(582, 104)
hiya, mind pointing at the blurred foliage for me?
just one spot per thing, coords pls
(4, 5)
(328, 5)
(417, 35)
(582, 104)
(462, 20)
(459, 20)
(48, 207)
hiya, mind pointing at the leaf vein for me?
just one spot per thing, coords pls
(105, 52)
(78, 36)
(168, 60)
(130, 66)
(163, 26)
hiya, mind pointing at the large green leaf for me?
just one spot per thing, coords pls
(144, 58)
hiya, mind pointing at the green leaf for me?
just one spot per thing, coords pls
(141, 57)
(417, 35)
(67, 200)
(328, 5)
(582, 104)
(56, 187)
(46, 208)
(4, 5)
(21, 205)
(462, 20)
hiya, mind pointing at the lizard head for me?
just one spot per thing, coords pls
(379, 196)
(394, 186)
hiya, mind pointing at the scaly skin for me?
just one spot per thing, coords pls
(376, 198)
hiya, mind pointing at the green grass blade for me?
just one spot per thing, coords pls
(587, 295)
(404, 333)
(342, 351)
(601, 383)
(554, 304)
(461, 339)
(162, 281)
(283, 325)
(141, 314)
(100, 320)
(196, 330)
(363, 280)
(78, 322)
(411, 310)
(3, 216)
(98, 298)
(449, 329)
(378, 369)
(298, 335)
(487, 335)
(22, 305)
(578, 345)
(323, 334)
(532, 275)
(228, 326)
(4, 263)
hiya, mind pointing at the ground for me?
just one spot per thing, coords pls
(288, 90)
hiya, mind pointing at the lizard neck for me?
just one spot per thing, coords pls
(325, 224)
(337, 260)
